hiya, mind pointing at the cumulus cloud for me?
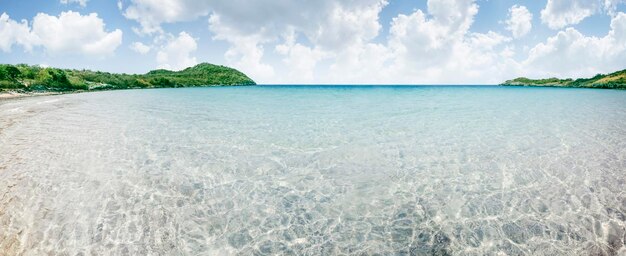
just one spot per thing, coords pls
(70, 33)
(611, 5)
(152, 13)
(423, 47)
(560, 13)
(245, 51)
(80, 2)
(300, 58)
(520, 21)
(364, 62)
(12, 32)
(435, 37)
(455, 15)
(330, 26)
(338, 41)
(439, 47)
(140, 48)
(177, 53)
(248, 26)
(580, 55)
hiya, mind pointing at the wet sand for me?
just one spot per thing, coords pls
(6, 95)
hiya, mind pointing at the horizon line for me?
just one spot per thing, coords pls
(365, 84)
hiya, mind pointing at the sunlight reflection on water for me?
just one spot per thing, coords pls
(315, 170)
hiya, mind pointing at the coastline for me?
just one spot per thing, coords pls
(16, 94)
(12, 94)
(615, 80)
(561, 86)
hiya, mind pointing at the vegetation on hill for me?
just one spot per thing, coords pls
(34, 78)
(615, 80)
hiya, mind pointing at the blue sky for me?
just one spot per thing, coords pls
(323, 41)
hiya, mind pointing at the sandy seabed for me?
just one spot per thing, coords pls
(315, 171)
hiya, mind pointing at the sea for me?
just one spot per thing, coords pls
(315, 170)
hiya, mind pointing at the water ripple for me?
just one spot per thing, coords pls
(315, 171)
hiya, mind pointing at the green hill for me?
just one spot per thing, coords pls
(34, 78)
(615, 80)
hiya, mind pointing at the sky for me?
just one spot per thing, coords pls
(323, 41)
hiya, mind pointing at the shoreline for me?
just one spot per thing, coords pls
(560, 86)
(11, 94)
(18, 93)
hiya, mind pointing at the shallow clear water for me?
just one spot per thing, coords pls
(315, 171)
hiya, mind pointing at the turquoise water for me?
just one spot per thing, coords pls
(280, 170)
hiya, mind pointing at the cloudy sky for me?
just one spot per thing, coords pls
(323, 41)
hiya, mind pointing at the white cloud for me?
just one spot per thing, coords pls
(422, 47)
(300, 59)
(327, 23)
(560, 13)
(152, 13)
(346, 24)
(12, 32)
(176, 54)
(249, 26)
(361, 63)
(520, 21)
(120, 5)
(80, 2)
(611, 5)
(438, 47)
(252, 26)
(246, 50)
(72, 33)
(455, 15)
(421, 41)
(339, 41)
(579, 55)
(330, 26)
(140, 48)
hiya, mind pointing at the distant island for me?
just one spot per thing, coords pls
(615, 80)
(27, 79)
